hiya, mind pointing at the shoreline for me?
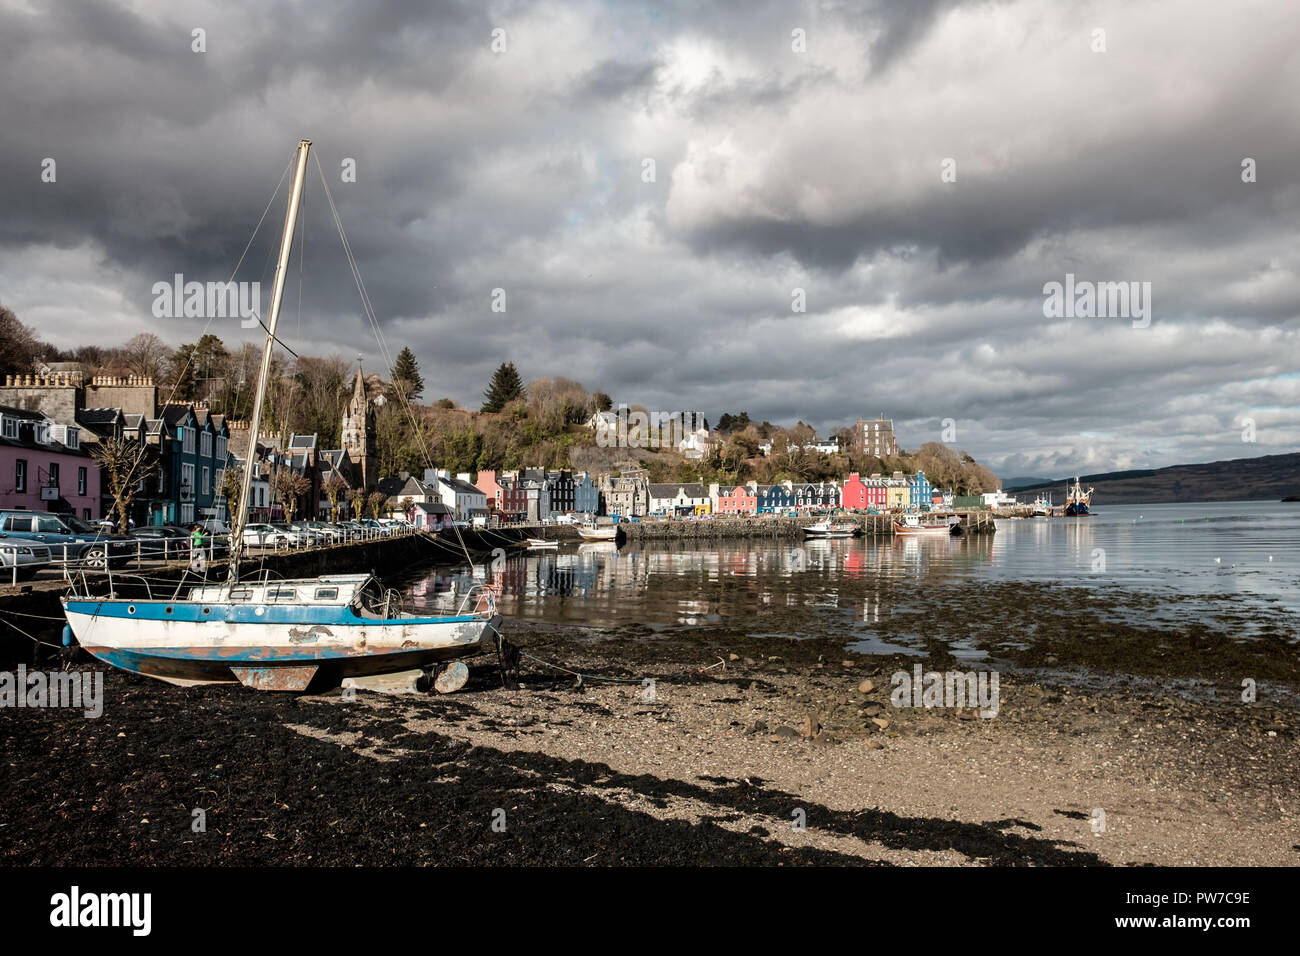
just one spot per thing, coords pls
(715, 770)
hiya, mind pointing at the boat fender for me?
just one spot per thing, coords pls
(67, 635)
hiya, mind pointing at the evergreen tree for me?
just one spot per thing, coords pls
(406, 374)
(506, 387)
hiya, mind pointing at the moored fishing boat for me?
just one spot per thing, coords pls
(606, 532)
(281, 634)
(1078, 503)
(538, 544)
(911, 524)
(829, 529)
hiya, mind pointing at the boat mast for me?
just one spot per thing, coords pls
(277, 293)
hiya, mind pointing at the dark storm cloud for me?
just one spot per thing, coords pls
(775, 169)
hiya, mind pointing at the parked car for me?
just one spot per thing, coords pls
(21, 559)
(373, 526)
(292, 537)
(263, 536)
(328, 532)
(168, 540)
(65, 533)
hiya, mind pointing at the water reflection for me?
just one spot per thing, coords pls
(847, 583)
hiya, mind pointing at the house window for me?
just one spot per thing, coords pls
(85, 514)
(81, 481)
(206, 445)
(20, 475)
(187, 482)
(54, 474)
(73, 439)
(10, 427)
(187, 440)
(207, 484)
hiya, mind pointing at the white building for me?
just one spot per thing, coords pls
(459, 494)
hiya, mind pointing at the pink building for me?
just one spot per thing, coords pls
(487, 483)
(44, 468)
(737, 501)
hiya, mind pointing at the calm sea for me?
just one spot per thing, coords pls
(1244, 553)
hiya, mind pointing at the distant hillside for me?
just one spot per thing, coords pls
(1025, 482)
(1268, 477)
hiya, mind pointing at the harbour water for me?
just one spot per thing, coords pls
(1235, 565)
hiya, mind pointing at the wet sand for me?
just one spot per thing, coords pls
(747, 738)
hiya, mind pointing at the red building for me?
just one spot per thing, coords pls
(853, 495)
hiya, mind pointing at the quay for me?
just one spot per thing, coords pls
(773, 526)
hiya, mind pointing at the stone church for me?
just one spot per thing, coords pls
(358, 438)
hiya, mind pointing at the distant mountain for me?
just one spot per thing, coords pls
(1268, 477)
(1011, 484)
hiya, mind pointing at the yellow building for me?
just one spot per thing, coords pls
(896, 494)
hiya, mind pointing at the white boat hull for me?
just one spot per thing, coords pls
(275, 655)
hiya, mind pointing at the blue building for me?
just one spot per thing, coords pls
(586, 495)
(773, 499)
(192, 455)
(919, 491)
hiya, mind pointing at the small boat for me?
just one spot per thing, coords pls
(607, 532)
(911, 524)
(1042, 506)
(829, 529)
(539, 544)
(1078, 501)
(274, 634)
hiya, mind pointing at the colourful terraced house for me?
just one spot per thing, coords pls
(733, 501)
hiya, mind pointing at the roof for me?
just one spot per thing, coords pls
(464, 487)
(433, 507)
(693, 489)
(303, 441)
(12, 412)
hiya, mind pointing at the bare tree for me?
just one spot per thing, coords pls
(357, 499)
(334, 487)
(18, 346)
(146, 354)
(376, 501)
(118, 459)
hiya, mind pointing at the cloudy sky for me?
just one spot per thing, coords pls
(920, 169)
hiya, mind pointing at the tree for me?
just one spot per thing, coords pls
(445, 403)
(119, 459)
(357, 500)
(406, 374)
(146, 354)
(18, 345)
(291, 488)
(506, 386)
(334, 487)
(604, 403)
(231, 484)
(376, 500)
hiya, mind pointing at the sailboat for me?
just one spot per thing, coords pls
(272, 633)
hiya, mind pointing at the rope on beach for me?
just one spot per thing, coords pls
(581, 677)
(57, 647)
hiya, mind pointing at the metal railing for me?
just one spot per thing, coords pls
(22, 559)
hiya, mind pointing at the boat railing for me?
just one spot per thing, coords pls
(481, 597)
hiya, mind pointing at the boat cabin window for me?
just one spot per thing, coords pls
(281, 594)
(327, 594)
(241, 594)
